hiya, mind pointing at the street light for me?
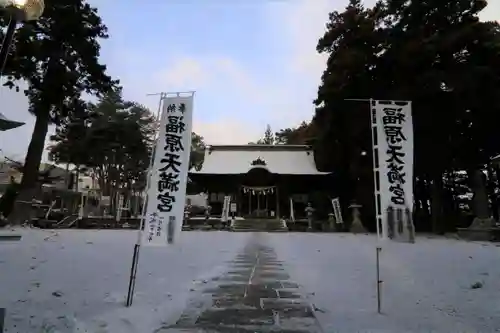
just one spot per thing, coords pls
(19, 11)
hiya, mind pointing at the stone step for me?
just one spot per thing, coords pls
(236, 228)
(245, 230)
(258, 230)
(258, 225)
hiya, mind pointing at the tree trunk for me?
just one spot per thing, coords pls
(421, 210)
(22, 207)
(77, 178)
(491, 192)
(425, 198)
(437, 204)
(477, 181)
(66, 176)
(496, 168)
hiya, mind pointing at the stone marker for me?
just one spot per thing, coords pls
(356, 225)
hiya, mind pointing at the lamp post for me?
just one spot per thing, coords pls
(18, 11)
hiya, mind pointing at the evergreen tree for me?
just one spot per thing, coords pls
(268, 138)
(58, 57)
(436, 54)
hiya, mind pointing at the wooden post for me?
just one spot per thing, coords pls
(80, 210)
(2, 319)
(258, 203)
(379, 282)
(267, 202)
(239, 204)
(249, 203)
(277, 204)
(133, 274)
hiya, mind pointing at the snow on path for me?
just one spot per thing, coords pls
(254, 295)
(426, 288)
(76, 280)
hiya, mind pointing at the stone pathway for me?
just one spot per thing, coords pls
(255, 295)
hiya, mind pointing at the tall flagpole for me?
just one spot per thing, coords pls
(378, 248)
(373, 126)
(137, 246)
(153, 153)
(383, 209)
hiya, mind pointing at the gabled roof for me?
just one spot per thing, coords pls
(7, 124)
(278, 159)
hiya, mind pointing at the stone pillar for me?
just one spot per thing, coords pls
(409, 225)
(356, 225)
(331, 221)
(238, 202)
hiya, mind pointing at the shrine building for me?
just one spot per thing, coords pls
(265, 181)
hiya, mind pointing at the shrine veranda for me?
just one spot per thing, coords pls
(261, 179)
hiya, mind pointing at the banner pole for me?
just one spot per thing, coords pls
(373, 128)
(137, 246)
(379, 282)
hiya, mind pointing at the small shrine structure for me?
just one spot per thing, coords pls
(265, 181)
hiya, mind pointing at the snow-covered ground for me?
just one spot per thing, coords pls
(427, 286)
(76, 281)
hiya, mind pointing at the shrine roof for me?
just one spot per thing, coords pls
(278, 159)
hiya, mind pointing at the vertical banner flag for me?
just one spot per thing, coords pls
(337, 211)
(393, 164)
(167, 189)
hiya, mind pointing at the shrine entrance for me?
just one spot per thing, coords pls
(259, 195)
(261, 179)
(259, 202)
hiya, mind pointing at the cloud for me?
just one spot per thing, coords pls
(492, 11)
(283, 100)
(304, 23)
(249, 99)
(227, 92)
(234, 99)
(226, 131)
(185, 72)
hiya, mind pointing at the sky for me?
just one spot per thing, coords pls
(250, 62)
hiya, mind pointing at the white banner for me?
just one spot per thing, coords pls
(337, 211)
(393, 162)
(167, 189)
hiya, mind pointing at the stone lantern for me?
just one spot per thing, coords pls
(356, 225)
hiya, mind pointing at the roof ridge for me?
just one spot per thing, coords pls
(278, 159)
(260, 147)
